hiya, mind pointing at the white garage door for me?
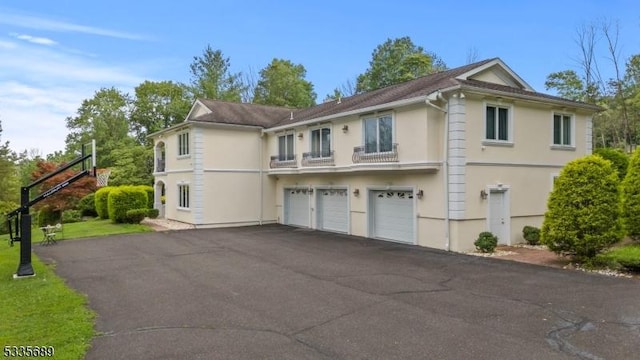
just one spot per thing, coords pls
(332, 209)
(296, 207)
(392, 215)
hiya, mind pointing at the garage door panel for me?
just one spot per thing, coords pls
(393, 215)
(296, 207)
(333, 210)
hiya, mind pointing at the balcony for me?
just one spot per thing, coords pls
(360, 156)
(278, 161)
(324, 158)
(160, 165)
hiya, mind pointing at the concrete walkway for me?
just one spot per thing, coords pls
(275, 292)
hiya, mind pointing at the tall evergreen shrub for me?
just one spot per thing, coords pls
(631, 198)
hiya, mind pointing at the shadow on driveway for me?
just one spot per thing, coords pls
(284, 293)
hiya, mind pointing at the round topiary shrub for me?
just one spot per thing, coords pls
(631, 198)
(486, 242)
(123, 199)
(101, 199)
(618, 158)
(87, 206)
(531, 234)
(149, 191)
(582, 217)
(153, 213)
(135, 216)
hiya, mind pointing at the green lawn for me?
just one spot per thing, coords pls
(42, 310)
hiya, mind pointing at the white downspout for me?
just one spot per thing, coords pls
(445, 165)
(261, 162)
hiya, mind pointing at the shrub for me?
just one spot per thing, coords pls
(71, 216)
(149, 191)
(87, 206)
(153, 213)
(102, 201)
(619, 160)
(486, 242)
(5, 208)
(631, 198)
(135, 216)
(583, 209)
(48, 216)
(124, 198)
(531, 234)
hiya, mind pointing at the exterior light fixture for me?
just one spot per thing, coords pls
(483, 194)
(356, 192)
(420, 194)
(300, 136)
(345, 129)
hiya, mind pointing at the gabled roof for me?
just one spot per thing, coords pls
(460, 78)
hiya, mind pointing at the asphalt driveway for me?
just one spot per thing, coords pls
(275, 292)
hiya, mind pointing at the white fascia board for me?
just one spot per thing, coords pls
(169, 129)
(193, 107)
(504, 66)
(223, 125)
(506, 94)
(404, 102)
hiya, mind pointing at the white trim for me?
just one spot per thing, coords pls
(240, 171)
(424, 165)
(457, 153)
(510, 121)
(485, 163)
(197, 201)
(369, 222)
(193, 107)
(320, 126)
(178, 185)
(385, 106)
(178, 171)
(572, 123)
(378, 116)
(504, 189)
(504, 67)
(589, 135)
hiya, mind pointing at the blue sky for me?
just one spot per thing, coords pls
(54, 54)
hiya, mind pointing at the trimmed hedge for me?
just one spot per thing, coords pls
(71, 216)
(123, 199)
(87, 206)
(135, 216)
(631, 198)
(149, 191)
(486, 242)
(531, 234)
(47, 216)
(101, 199)
(619, 159)
(153, 213)
(583, 209)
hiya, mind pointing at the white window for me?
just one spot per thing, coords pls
(378, 134)
(497, 124)
(183, 144)
(321, 142)
(562, 129)
(183, 196)
(285, 147)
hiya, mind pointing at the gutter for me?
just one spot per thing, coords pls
(445, 168)
(261, 162)
(385, 106)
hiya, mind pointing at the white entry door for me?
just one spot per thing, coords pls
(392, 216)
(499, 216)
(296, 207)
(333, 210)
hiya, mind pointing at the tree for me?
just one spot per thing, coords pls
(158, 105)
(67, 197)
(346, 89)
(282, 83)
(104, 118)
(568, 85)
(582, 218)
(397, 61)
(211, 78)
(9, 181)
(631, 198)
(133, 166)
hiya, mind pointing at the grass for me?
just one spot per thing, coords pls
(43, 310)
(624, 257)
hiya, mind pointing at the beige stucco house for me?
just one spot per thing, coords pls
(431, 162)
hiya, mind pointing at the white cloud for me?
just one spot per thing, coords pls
(41, 86)
(34, 39)
(41, 23)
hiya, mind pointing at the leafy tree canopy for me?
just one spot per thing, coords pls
(9, 186)
(395, 61)
(282, 83)
(133, 166)
(68, 197)
(631, 197)
(212, 79)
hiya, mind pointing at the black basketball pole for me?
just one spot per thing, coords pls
(25, 268)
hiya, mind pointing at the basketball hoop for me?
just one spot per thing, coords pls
(102, 177)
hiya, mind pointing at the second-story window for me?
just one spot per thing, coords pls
(497, 123)
(183, 144)
(285, 147)
(378, 134)
(321, 142)
(562, 129)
